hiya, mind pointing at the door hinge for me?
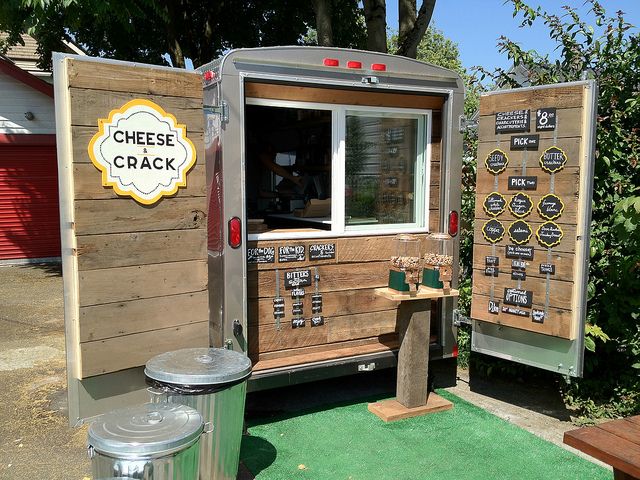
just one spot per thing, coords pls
(222, 110)
(459, 319)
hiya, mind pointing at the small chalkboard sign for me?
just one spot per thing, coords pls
(297, 308)
(491, 271)
(549, 234)
(492, 260)
(520, 205)
(322, 251)
(549, 268)
(494, 204)
(496, 161)
(553, 159)
(512, 122)
(515, 311)
(525, 142)
(316, 303)
(493, 231)
(518, 275)
(261, 255)
(297, 323)
(518, 297)
(291, 253)
(545, 119)
(519, 251)
(522, 183)
(297, 293)
(278, 307)
(519, 232)
(317, 321)
(297, 278)
(494, 307)
(550, 206)
(537, 316)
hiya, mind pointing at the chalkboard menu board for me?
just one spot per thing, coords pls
(533, 198)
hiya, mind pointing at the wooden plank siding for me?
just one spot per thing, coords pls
(141, 270)
(554, 293)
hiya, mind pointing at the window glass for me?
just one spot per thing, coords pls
(381, 158)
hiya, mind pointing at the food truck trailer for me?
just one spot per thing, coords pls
(316, 159)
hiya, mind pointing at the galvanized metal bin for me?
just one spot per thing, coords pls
(147, 442)
(213, 381)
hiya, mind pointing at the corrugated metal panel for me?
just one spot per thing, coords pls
(29, 217)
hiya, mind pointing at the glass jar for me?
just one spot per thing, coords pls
(438, 261)
(406, 264)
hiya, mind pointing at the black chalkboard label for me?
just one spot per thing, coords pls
(549, 234)
(278, 307)
(512, 122)
(525, 142)
(297, 323)
(317, 321)
(391, 182)
(519, 251)
(297, 293)
(322, 251)
(494, 307)
(553, 159)
(297, 278)
(495, 261)
(261, 255)
(291, 253)
(518, 275)
(520, 205)
(515, 311)
(549, 268)
(494, 204)
(278, 301)
(550, 206)
(519, 232)
(517, 297)
(491, 271)
(496, 161)
(493, 230)
(537, 316)
(522, 183)
(545, 119)
(297, 308)
(519, 265)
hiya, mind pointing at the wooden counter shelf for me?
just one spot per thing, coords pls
(414, 327)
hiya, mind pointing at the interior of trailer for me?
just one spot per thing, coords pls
(320, 165)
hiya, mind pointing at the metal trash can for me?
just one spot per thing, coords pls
(213, 381)
(147, 442)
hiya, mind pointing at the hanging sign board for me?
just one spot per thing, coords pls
(542, 232)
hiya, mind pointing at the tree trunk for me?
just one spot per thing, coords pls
(175, 49)
(322, 10)
(375, 15)
(413, 28)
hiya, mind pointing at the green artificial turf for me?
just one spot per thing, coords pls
(349, 442)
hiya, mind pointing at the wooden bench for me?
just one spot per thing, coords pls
(616, 443)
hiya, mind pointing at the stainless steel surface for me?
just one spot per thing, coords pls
(148, 442)
(220, 449)
(199, 366)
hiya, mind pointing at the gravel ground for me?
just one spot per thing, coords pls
(35, 439)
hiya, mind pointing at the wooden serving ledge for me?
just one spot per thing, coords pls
(414, 327)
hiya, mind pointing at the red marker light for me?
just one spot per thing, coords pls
(453, 223)
(235, 232)
(209, 75)
(331, 62)
(454, 354)
(379, 67)
(354, 64)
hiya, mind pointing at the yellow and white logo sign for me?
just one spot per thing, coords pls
(142, 151)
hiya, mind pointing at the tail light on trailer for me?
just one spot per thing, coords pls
(379, 67)
(453, 223)
(235, 232)
(208, 75)
(354, 64)
(454, 353)
(331, 62)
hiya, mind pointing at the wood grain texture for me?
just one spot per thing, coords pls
(118, 353)
(344, 97)
(126, 215)
(391, 410)
(414, 328)
(517, 158)
(569, 125)
(144, 281)
(142, 248)
(565, 185)
(90, 105)
(558, 325)
(110, 320)
(266, 338)
(141, 79)
(561, 97)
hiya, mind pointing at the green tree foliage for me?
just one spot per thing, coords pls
(609, 53)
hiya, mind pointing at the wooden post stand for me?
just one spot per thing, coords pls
(414, 326)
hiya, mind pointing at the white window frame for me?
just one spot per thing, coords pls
(422, 172)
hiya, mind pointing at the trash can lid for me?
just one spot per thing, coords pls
(151, 429)
(199, 366)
